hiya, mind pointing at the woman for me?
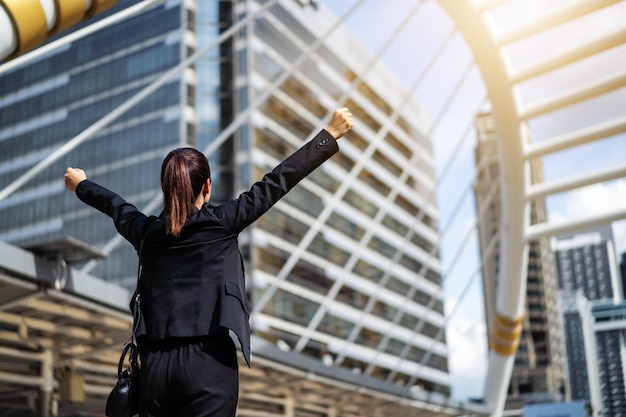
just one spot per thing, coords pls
(192, 284)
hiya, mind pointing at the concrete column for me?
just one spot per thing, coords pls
(47, 385)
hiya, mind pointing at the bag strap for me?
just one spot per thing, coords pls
(136, 296)
(132, 360)
(140, 263)
(140, 253)
(130, 347)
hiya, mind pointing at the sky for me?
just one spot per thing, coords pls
(408, 57)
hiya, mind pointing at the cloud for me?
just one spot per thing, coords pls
(593, 200)
(467, 344)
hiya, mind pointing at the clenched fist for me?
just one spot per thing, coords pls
(340, 123)
(73, 176)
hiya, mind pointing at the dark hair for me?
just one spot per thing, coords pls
(183, 174)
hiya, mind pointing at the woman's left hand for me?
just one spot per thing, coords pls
(74, 176)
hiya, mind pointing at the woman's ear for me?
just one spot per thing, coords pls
(206, 190)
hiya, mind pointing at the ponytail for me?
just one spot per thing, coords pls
(183, 174)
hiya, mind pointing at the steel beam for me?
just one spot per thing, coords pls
(540, 230)
(545, 189)
(567, 57)
(575, 95)
(578, 137)
(551, 19)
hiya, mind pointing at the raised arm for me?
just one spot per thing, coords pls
(250, 205)
(128, 220)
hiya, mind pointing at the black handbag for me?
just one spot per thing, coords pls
(123, 401)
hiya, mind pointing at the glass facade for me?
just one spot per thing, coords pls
(588, 268)
(580, 343)
(611, 351)
(346, 267)
(587, 263)
(577, 357)
(50, 101)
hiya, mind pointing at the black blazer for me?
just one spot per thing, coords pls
(194, 285)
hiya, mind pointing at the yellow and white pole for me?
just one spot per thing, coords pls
(25, 24)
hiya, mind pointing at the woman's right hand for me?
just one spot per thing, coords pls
(340, 123)
(74, 176)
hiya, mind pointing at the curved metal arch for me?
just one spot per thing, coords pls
(516, 190)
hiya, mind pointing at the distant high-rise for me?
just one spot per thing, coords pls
(580, 344)
(622, 269)
(346, 268)
(587, 263)
(539, 371)
(611, 355)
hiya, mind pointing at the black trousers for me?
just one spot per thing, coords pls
(196, 377)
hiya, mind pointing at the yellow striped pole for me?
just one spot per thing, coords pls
(505, 335)
(25, 24)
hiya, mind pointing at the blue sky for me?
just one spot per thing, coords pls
(409, 55)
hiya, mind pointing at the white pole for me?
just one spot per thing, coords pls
(8, 38)
(50, 11)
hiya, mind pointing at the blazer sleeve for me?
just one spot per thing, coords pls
(129, 221)
(250, 205)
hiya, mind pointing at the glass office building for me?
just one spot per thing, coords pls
(587, 263)
(596, 352)
(611, 350)
(580, 343)
(346, 268)
(48, 102)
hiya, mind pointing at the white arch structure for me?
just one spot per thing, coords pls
(511, 120)
(471, 19)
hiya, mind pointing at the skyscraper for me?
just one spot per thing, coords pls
(345, 269)
(587, 263)
(539, 370)
(622, 269)
(48, 102)
(580, 345)
(611, 353)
